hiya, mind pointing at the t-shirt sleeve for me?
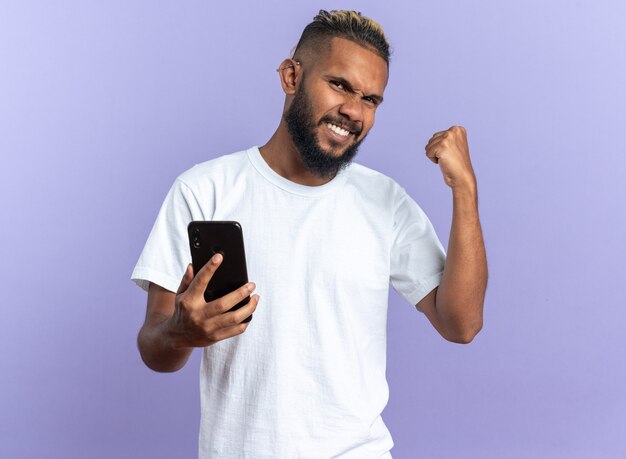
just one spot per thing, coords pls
(417, 255)
(166, 254)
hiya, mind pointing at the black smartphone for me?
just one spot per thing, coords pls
(206, 238)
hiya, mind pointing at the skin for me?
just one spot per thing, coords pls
(178, 322)
(455, 307)
(364, 75)
(345, 83)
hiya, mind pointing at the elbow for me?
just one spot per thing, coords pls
(156, 366)
(464, 335)
(460, 324)
(160, 368)
(159, 365)
(153, 356)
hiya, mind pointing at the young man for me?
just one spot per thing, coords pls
(324, 239)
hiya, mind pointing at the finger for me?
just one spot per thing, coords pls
(232, 318)
(224, 303)
(434, 158)
(437, 134)
(433, 155)
(433, 152)
(435, 142)
(228, 332)
(199, 283)
(186, 280)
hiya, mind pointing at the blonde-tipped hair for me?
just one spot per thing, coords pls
(350, 25)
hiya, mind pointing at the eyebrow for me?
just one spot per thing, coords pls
(348, 86)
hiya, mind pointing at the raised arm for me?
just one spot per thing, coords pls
(455, 308)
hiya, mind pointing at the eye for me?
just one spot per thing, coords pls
(370, 101)
(337, 84)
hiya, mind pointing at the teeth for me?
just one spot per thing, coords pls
(337, 129)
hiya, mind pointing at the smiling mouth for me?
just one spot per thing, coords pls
(338, 130)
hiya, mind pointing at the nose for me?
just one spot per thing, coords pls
(352, 108)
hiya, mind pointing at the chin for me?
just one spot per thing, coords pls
(335, 150)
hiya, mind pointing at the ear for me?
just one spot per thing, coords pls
(289, 73)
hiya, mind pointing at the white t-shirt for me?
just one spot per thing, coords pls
(307, 377)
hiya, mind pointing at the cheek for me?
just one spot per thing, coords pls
(368, 123)
(331, 102)
(327, 99)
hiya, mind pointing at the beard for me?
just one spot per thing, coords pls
(301, 126)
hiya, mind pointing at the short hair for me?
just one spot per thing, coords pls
(350, 25)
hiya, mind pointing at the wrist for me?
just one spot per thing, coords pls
(172, 339)
(465, 190)
(464, 184)
(465, 200)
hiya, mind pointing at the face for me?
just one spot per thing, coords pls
(334, 105)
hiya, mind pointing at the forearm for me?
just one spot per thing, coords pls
(460, 296)
(157, 349)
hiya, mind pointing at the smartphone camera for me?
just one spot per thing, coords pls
(196, 238)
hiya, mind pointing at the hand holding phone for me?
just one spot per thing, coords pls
(198, 323)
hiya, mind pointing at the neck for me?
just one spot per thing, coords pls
(281, 154)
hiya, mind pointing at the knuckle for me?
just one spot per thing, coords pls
(185, 303)
(458, 130)
(220, 305)
(239, 316)
(196, 318)
(212, 338)
(233, 319)
(210, 330)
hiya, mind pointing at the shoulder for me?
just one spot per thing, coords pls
(216, 171)
(387, 194)
(373, 183)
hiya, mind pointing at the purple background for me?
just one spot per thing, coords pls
(103, 104)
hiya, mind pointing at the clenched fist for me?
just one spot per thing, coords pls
(449, 149)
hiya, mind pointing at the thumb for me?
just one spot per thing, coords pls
(186, 280)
